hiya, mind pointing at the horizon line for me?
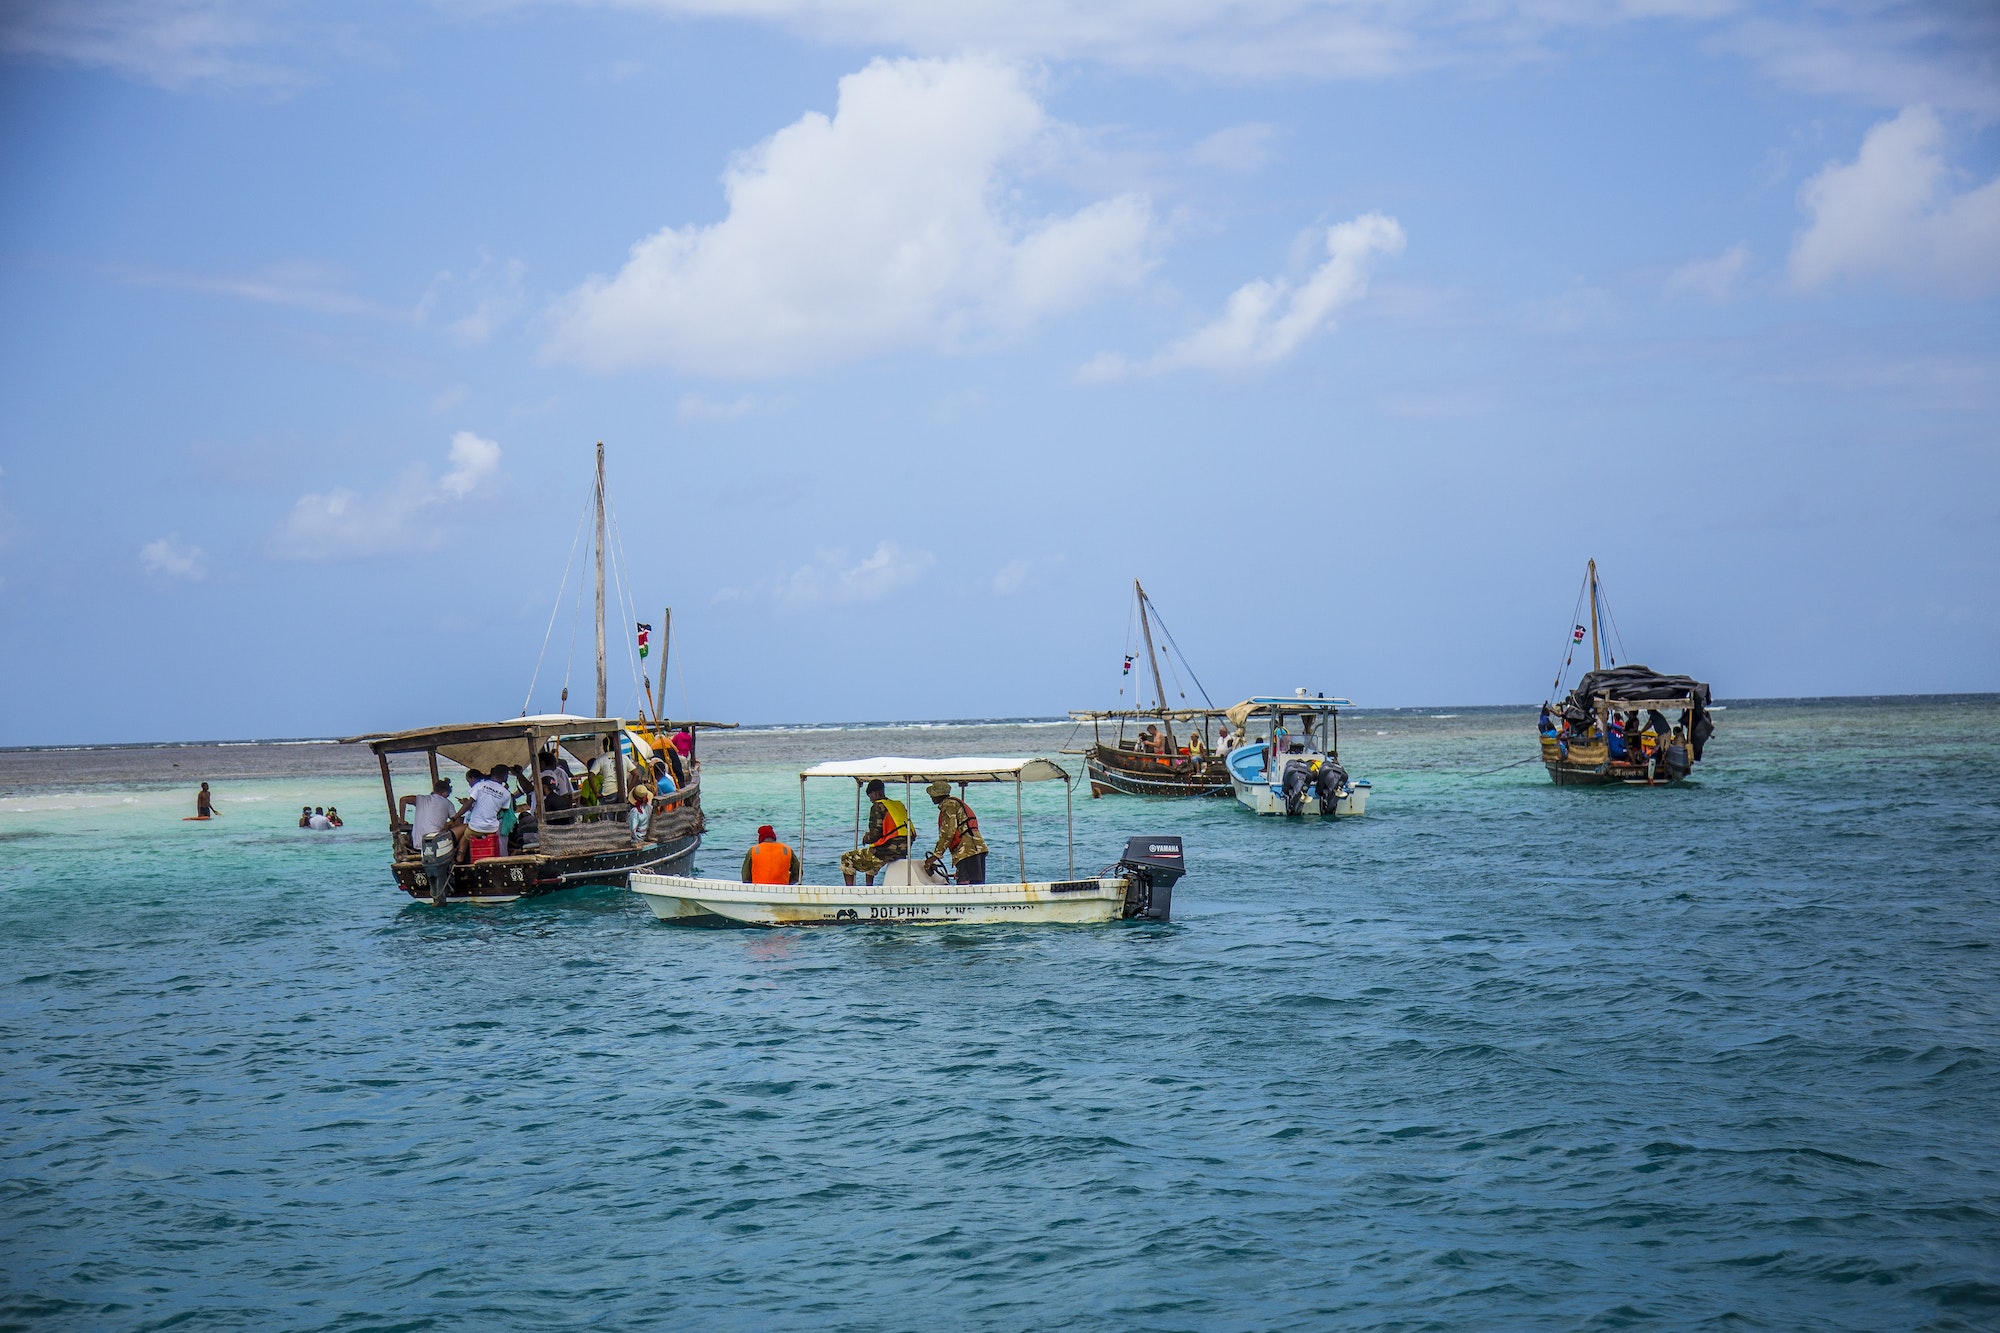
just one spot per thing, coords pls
(982, 721)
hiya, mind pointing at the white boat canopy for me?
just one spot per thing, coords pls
(1243, 712)
(910, 772)
(975, 769)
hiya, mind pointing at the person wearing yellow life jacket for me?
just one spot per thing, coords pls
(958, 833)
(887, 838)
(770, 861)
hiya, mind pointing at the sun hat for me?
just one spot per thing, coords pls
(939, 788)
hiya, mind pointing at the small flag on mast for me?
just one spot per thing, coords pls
(645, 639)
(1128, 665)
(1577, 637)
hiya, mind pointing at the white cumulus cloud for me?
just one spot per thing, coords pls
(836, 578)
(412, 513)
(474, 461)
(170, 558)
(1892, 213)
(1714, 279)
(880, 226)
(1268, 319)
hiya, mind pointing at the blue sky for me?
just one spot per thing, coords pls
(915, 333)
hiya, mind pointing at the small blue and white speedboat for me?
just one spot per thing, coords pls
(1293, 767)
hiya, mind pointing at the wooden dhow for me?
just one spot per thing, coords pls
(1624, 724)
(1157, 751)
(559, 849)
(556, 843)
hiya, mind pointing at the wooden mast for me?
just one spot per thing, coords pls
(601, 702)
(1596, 660)
(1159, 689)
(667, 645)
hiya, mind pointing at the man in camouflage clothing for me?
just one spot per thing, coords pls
(888, 837)
(958, 833)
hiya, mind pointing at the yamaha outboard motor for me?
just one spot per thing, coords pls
(1151, 867)
(1332, 782)
(1298, 781)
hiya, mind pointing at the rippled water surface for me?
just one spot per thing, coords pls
(1494, 1056)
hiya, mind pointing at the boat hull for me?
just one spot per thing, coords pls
(1059, 902)
(506, 879)
(1255, 790)
(1130, 773)
(1260, 799)
(1592, 766)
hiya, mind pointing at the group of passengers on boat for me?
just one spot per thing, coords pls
(770, 861)
(1632, 737)
(500, 813)
(1154, 741)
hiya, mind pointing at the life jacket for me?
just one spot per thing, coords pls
(895, 822)
(771, 863)
(971, 824)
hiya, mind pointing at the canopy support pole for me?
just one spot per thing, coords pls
(1069, 817)
(389, 790)
(802, 827)
(1020, 829)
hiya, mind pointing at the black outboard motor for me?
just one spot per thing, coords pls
(1332, 782)
(1151, 867)
(1298, 781)
(439, 851)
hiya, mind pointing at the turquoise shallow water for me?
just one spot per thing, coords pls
(1496, 1055)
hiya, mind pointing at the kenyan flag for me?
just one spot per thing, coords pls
(645, 639)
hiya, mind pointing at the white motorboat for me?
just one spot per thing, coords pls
(1294, 766)
(1140, 884)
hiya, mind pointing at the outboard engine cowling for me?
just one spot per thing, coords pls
(1298, 781)
(439, 851)
(1151, 867)
(1332, 782)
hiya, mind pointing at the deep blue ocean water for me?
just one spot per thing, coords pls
(1496, 1055)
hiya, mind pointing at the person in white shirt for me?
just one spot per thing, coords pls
(318, 820)
(433, 812)
(482, 817)
(562, 787)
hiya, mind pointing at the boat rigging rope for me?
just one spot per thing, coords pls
(625, 603)
(1531, 759)
(1169, 634)
(555, 609)
(1604, 601)
(1569, 653)
(1131, 652)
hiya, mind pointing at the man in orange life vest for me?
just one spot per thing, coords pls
(958, 833)
(888, 837)
(770, 861)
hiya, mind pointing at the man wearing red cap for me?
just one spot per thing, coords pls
(770, 861)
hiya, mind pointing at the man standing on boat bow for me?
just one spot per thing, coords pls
(958, 833)
(888, 836)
